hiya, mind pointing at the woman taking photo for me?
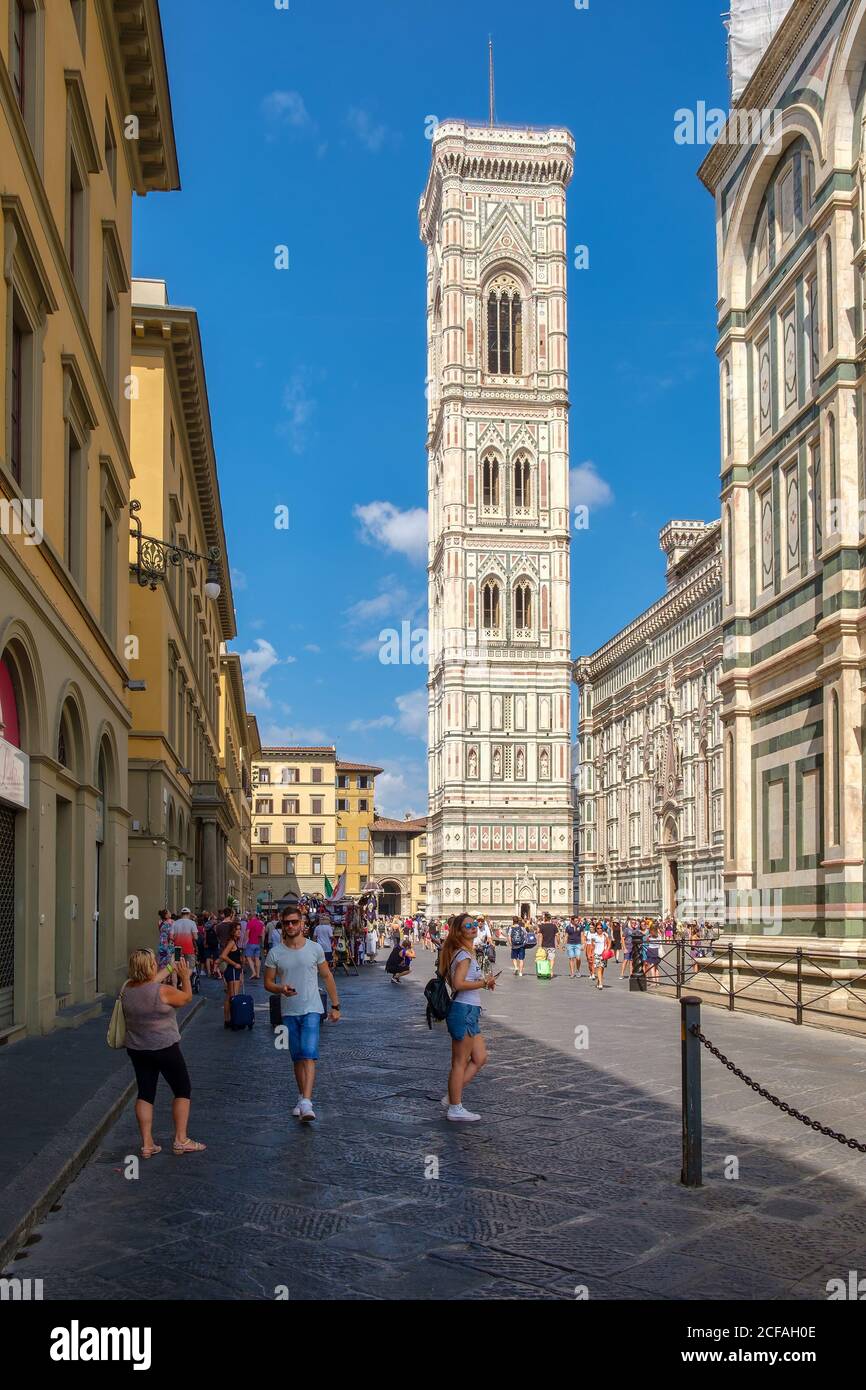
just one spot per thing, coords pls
(150, 1005)
(458, 966)
(232, 960)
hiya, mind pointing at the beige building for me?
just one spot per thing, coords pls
(791, 240)
(294, 822)
(356, 789)
(240, 744)
(400, 864)
(182, 819)
(85, 121)
(649, 813)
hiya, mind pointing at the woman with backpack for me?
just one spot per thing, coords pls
(518, 946)
(458, 966)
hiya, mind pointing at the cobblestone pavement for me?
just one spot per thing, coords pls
(570, 1182)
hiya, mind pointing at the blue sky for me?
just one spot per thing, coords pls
(306, 128)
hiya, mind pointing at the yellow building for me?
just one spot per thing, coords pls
(356, 784)
(294, 821)
(182, 817)
(400, 864)
(239, 745)
(85, 121)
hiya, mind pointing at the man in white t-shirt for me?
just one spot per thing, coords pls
(293, 969)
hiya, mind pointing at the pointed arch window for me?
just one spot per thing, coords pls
(504, 328)
(490, 605)
(522, 485)
(490, 482)
(523, 606)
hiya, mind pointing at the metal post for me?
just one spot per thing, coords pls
(681, 969)
(690, 1015)
(731, 976)
(799, 985)
(637, 979)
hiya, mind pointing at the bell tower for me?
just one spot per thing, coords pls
(492, 218)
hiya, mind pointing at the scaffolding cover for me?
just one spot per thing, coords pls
(751, 26)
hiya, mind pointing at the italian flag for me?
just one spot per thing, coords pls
(339, 891)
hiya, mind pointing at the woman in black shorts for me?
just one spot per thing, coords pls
(233, 961)
(150, 1005)
(616, 940)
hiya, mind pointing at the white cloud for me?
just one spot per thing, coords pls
(287, 109)
(311, 647)
(412, 713)
(372, 134)
(372, 609)
(289, 735)
(363, 726)
(587, 488)
(239, 580)
(299, 407)
(256, 664)
(402, 531)
(403, 791)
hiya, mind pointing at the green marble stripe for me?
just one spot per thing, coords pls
(803, 703)
(791, 739)
(787, 639)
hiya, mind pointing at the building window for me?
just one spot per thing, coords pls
(317, 866)
(75, 506)
(364, 783)
(490, 605)
(363, 833)
(829, 297)
(523, 608)
(490, 482)
(342, 782)
(264, 776)
(363, 857)
(114, 284)
(78, 14)
(504, 328)
(316, 834)
(837, 769)
(363, 804)
(342, 803)
(317, 774)
(342, 857)
(264, 864)
(389, 846)
(290, 864)
(291, 834)
(291, 806)
(785, 204)
(342, 833)
(76, 224)
(522, 500)
(265, 806)
(316, 805)
(290, 774)
(16, 402)
(264, 834)
(110, 149)
(111, 506)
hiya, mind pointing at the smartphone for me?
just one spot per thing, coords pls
(177, 953)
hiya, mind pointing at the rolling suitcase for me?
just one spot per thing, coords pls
(542, 969)
(276, 1007)
(242, 1011)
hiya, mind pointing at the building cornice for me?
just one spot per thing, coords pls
(757, 95)
(132, 35)
(680, 600)
(175, 331)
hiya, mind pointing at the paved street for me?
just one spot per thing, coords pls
(570, 1182)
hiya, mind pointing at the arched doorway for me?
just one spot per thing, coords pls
(671, 872)
(391, 901)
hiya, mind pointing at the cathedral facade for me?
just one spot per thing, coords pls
(649, 794)
(492, 218)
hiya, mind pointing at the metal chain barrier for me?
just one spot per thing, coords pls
(774, 1100)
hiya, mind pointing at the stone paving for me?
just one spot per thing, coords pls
(569, 1184)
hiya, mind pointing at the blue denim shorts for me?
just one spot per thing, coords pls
(464, 1021)
(574, 952)
(303, 1036)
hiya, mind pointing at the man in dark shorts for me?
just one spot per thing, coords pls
(548, 940)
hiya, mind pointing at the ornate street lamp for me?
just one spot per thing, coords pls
(153, 557)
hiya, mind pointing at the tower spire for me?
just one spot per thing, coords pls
(492, 89)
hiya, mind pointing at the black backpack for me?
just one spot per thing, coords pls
(438, 1000)
(518, 936)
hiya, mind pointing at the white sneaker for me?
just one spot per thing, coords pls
(460, 1113)
(305, 1111)
(297, 1110)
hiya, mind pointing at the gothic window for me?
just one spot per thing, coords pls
(490, 482)
(522, 494)
(523, 607)
(490, 605)
(504, 328)
(389, 846)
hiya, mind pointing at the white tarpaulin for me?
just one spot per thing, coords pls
(751, 27)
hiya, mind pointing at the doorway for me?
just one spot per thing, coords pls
(669, 906)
